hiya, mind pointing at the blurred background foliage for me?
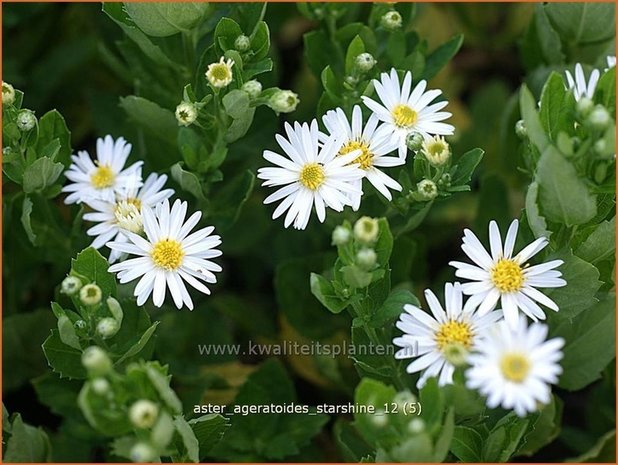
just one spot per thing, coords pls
(63, 56)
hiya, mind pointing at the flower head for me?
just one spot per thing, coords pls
(579, 86)
(406, 110)
(427, 189)
(253, 88)
(186, 113)
(507, 277)
(70, 285)
(284, 101)
(242, 43)
(124, 213)
(8, 94)
(26, 120)
(436, 150)
(391, 20)
(433, 339)
(90, 294)
(219, 74)
(514, 367)
(309, 175)
(365, 62)
(169, 256)
(143, 413)
(366, 230)
(104, 178)
(374, 143)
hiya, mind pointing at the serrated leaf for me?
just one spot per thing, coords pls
(599, 245)
(467, 444)
(41, 174)
(208, 430)
(187, 443)
(92, 265)
(63, 359)
(26, 444)
(188, 181)
(323, 290)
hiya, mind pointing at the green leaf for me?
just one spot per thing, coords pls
(26, 211)
(66, 332)
(590, 344)
(41, 174)
(162, 384)
(208, 429)
(604, 451)
(140, 344)
(236, 103)
(563, 195)
(437, 59)
(356, 47)
(92, 265)
(166, 19)
(582, 23)
(375, 393)
(260, 41)
(532, 120)
(228, 201)
(544, 429)
(537, 223)
(324, 291)
(384, 244)
(63, 359)
(26, 444)
(392, 307)
(504, 438)
(186, 440)
(599, 245)
(52, 127)
(467, 444)
(557, 107)
(188, 181)
(315, 43)
(465, 167)
(159, 122)
(605, 93)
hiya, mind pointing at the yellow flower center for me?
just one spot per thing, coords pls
(365, 159)
(102, 177)
(404, 116)
(128, 214)
(167, 254)
(454, 332)
(515, 367)
(312, 176)
(507, 275)
(220, 72)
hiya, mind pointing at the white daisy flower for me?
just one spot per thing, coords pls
(374, 142)
(105, 177)
(124, 214)
(169, 255)
(444, 341)
(514, 368)
(611, 62)
(311, 175)
(579, 86)
(405, 110)
(502, 276)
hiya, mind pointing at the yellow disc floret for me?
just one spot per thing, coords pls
(102, 177)
(167, 254)
(454, 332)
(515, 367)
(404, 116)
(507, 275)
(312, 176)
(365, 159)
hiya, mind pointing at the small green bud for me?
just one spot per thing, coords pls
(427, 189)
(366, 230)
(70, 285)
(26, 120)
(253, 88)
(242, 43)
(366, 258)
(284, 101)
(391, 21)
(96, 361)
(80, 325)
(414, 141)
(186, 113)
(365, 62)
(600, 147)
(341, 235)
(520, 129)
(599, 118)
(584, 106)
(143, 413)
(100, 386)
(90, 294)
(8, 94)
(379, 418)
(107, 327)
(142, 452)
(115, 309)
(416, 426)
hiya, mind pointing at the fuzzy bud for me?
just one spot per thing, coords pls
(427, 189)
(107, 327)
(143, 413)
(365, 62)
(366, 258)
(366, 230)
(416, 426)
(26, 120)
(341, 235)
(520, 129)
(391, 21)
(584, 106)
(8, 94)
(100, 386)
(414, 141)
(284, 101)
(253, 88)
(242, 43)
(70, 285)
(96, 361)
(90, 294)
(599, 118)
(186, 113)
(142, 452)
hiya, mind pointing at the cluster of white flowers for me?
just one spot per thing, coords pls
(326, 169)
(135, 217)
(509, 362)
(578, 84)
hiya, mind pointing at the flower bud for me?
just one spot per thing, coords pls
(107, 327)
(8, 94)
(284, 101)
(26, 120)
(366, 258)
(90, 294)
(584, 106)
(143, 413)
(391, 21)
(115, 309)
(253, 88)
(242, 43)
(416, 425)
(414, 141)
(520, 129)
(600, 147)
(365, 61)
(436, 150)
(142, 452)
(446, 179)
(599, 118)
(186, 113)
(96, 361)
(427, 189)
(366, 230)
(341, 235)
(80, 325)
(379, 418)
(600, 173)
(100, 386)
(70, 285)
(220, 74)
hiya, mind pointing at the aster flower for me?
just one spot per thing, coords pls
(514, 368)
(311, 175)
(169, 256)
(125, 213)
(579, 86)
(507, 277)
(219, 74)
(105, 177)
(443, 341)
(404, 110)
(374, 142)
